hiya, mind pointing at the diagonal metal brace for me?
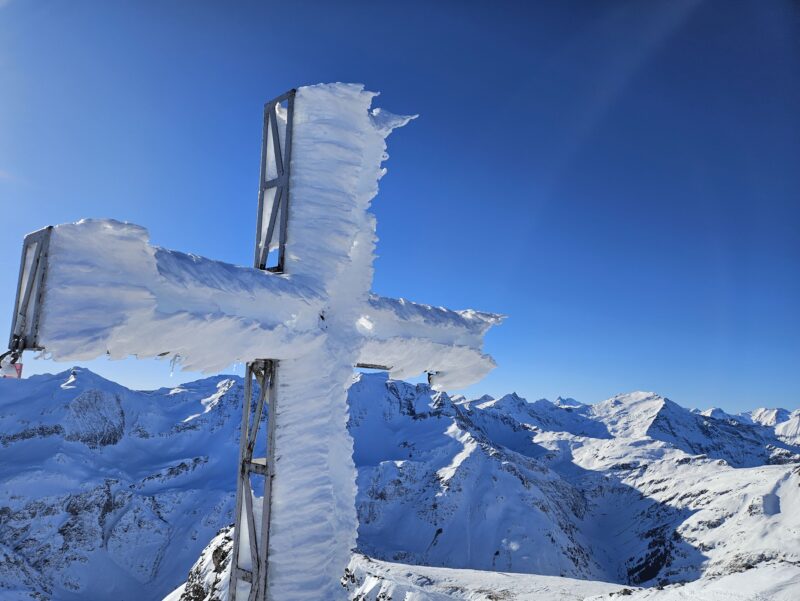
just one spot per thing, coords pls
(30, 289)
(276, 162)
(261, 374)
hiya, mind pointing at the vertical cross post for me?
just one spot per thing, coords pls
(251, 570)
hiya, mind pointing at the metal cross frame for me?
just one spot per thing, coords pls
(30, 286)
(276, 156)
(263, 373)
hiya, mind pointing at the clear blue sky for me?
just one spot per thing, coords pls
(620, 178)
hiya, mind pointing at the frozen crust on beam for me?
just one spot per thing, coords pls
(411, 338)
(108, 291)
(389, 317)
(449, 366)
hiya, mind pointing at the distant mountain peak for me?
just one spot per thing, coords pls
(568, 402)
(629, 415)
(769, 417)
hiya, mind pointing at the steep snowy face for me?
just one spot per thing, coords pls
(789, 431)
(108, 492)
(718, 413)
(559, 416)
(738, 444)
(769, 417)
(423, 463)
(569, 403)
(641, 507)
(640, 414)
(629, 415)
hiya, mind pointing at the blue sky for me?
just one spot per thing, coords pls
(620, 178)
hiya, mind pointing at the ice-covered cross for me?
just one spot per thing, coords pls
(97, 287)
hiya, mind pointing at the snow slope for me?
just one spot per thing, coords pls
(617, 491)
(107, 492)
(368, 579)
(789, 431)
(645, 414)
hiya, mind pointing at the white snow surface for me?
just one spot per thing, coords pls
(790, 429)
(379, 580)
(767, 582)
(109, 493)
(769, 417)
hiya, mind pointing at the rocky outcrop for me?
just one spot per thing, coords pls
(95, 418)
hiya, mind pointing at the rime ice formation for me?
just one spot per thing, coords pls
(108, 291)
(331, 244)
(137, 299)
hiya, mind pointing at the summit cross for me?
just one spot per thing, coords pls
(300, 319)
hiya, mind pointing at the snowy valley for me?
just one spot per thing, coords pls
(110, 493)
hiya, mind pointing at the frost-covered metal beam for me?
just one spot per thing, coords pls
(107, 291)
(249, 558)
(27, 306)
(409, 338)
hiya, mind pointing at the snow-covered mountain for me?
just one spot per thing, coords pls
(110, 493)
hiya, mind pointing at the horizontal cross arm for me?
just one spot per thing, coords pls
(107, 291)
(448, 366)
(104, 290)
(387, 317)
(411, 338)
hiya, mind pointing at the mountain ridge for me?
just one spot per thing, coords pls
(110, 490)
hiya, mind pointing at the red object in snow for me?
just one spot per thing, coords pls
(13, 371)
